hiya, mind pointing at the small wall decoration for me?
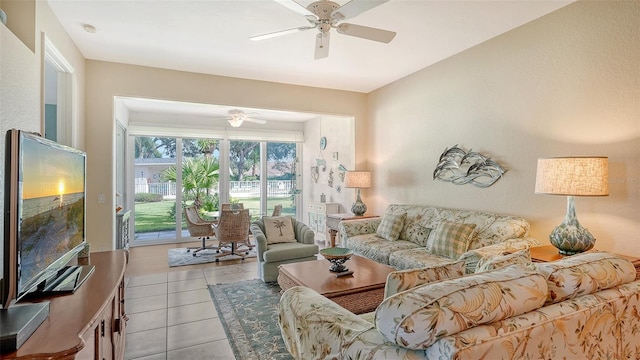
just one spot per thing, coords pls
(321, 164)
(315, 173)
(460, 167)
(330, 180)
(341, 172)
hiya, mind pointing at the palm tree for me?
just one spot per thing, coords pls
(199, 175)
(145, 147)
(279, 224)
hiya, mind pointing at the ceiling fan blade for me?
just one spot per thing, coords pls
(322, 45)
(280, 33)
(294, 6)
(257, 121)
(355, 8)
(366, 32)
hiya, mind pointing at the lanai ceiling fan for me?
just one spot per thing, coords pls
(325, 14)
(237, 117)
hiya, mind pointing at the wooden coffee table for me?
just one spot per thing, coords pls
(359, 293)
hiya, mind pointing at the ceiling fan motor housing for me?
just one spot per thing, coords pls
(326, 14)
(323, 9)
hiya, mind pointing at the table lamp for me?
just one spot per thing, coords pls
(358, 180)
(572, 176)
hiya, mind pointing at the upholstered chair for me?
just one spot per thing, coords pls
(271, 255)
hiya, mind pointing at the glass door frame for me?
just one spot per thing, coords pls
(223, 180)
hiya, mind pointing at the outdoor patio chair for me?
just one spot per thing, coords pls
(232, 206)
(232, 231)
(200, 228)
(277, 210)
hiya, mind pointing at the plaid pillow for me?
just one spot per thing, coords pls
(390, 226)
(450, 239)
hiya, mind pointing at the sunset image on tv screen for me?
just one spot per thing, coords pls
(51, 204)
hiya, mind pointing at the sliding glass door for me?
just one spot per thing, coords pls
(162, 188)
(244, 175)
(262, 175)
(155, 193)
(281, 177)
(171, 173)
(201, 175)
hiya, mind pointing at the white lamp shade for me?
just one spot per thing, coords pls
(573, 176)
(357, 179)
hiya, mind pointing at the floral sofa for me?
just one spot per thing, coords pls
(583, 307)
(414, 236)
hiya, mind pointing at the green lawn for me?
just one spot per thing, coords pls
(154, 216)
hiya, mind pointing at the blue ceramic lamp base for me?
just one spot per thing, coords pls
(358, 208)
(570, 237)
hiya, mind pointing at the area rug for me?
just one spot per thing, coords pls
(248, 311)
(180, 257)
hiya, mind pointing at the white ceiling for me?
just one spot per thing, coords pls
(212, 37)
(216, 115)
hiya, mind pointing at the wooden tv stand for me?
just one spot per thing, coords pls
(88, 324)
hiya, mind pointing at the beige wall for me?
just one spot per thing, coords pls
(106, 80)
(339, 132)
(21, 68)
(565, 84)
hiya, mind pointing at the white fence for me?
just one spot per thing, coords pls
(275, 188)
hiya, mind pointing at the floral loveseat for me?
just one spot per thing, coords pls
(583, 307)
(414, 236)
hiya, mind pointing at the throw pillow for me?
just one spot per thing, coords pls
(499, 261)
(401, 280)
(450, 239)
(417, 318)
(390, 226)
(417, 233)
(585, 274)
(278, 229)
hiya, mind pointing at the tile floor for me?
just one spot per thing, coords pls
(171, 314)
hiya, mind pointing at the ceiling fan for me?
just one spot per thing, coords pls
(237, 117)
(325, 14)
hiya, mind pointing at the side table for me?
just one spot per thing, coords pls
(334, 219)
(318, 212)
(546, 253)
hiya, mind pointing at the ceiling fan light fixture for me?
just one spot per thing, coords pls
(236, 117)
(235, 122)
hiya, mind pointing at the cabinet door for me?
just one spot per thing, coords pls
(321, 223)
(91, 345)
(119, 324)
(311, 220)
(106, 346)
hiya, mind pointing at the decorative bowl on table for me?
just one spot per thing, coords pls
(337, 256)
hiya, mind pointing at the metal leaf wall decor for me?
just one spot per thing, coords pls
(460, 167)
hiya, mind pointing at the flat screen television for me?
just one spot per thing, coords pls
(44, 223)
